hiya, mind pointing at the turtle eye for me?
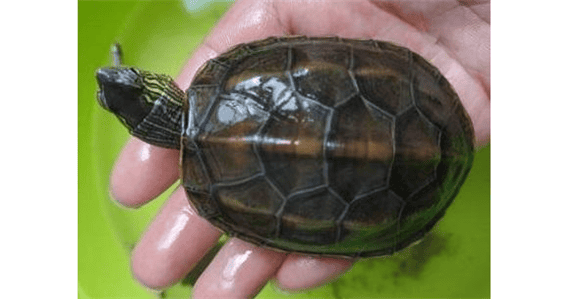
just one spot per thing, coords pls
(122, 91)
(129, 78)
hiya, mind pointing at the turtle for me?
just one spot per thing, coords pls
(316, 145)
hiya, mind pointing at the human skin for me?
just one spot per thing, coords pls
(454, 37)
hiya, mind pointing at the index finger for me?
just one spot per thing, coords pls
(247, 20)
(143, 171)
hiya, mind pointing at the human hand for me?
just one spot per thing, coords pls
(454, 38)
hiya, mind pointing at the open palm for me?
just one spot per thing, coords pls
(452, 36)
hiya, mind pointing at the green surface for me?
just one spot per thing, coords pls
(452, 262)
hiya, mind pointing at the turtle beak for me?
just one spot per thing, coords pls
(104, 77)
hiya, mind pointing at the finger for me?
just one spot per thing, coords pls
(462, 28)
(239, 270)
(372, 21)
(174, 242)
(300, 272)
(142, 172)
(245, 21)
(459, 47)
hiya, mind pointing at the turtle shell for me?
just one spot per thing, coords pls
(324, 145)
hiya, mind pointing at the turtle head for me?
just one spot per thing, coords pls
(143, 101)
(127, 92)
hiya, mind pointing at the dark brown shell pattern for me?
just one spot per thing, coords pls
(324, 146)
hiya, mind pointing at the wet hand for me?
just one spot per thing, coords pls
(453, 37)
